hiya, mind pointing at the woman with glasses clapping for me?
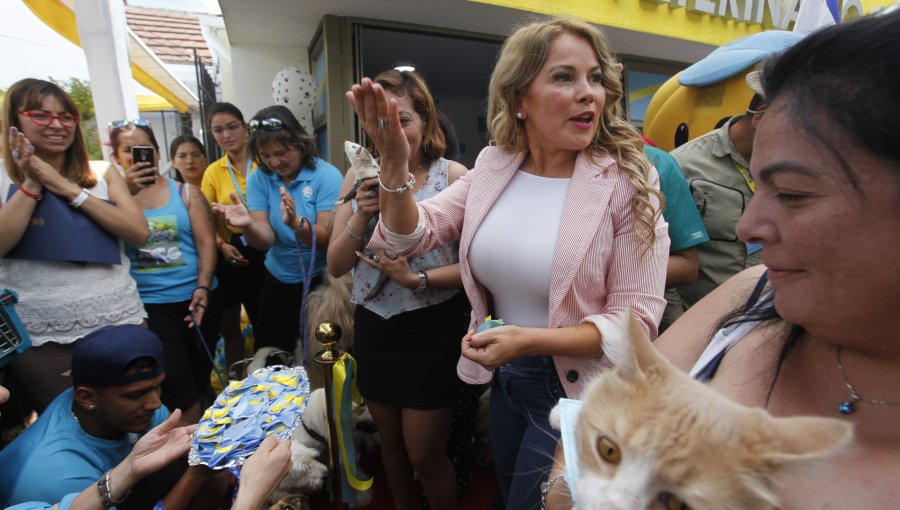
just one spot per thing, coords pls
(288, 203)
(239, 267)
(62, 219)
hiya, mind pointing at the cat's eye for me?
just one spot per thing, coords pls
(608, 450)
(672, 502)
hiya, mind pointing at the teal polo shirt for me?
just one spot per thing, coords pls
(685, 224)
(313, 191)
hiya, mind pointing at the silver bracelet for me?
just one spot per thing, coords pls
(402, 189)
(105, 489)
(80, 199)
(545, 489)
(351, 233)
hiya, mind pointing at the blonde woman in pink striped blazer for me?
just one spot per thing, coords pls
(558, 223)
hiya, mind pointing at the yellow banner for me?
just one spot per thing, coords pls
(715, 22)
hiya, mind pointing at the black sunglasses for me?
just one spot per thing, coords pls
(270, 124)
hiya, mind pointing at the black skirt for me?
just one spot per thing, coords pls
(410, 359)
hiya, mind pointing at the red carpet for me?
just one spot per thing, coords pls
(479, 495)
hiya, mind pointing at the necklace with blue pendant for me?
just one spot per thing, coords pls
(848, 406)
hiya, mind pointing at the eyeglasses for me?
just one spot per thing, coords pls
(271, 124)
(125, 123)
(231, 127)
(42, 118)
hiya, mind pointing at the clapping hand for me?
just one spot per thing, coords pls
(38, 171)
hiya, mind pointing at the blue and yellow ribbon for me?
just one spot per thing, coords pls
(344, 394)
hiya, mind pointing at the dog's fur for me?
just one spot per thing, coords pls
(330, 302)
(310, 455)
(292, 502)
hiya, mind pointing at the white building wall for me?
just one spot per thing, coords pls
(254, 67)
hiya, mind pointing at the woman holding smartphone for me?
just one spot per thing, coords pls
(174, 269)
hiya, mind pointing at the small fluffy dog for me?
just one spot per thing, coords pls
(330, 302)
(309, 449)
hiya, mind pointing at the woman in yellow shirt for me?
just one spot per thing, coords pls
(239, 268)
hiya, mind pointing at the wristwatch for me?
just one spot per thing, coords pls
(300, 222)
(423, 281)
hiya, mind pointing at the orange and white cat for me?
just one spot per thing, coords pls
(650, 437)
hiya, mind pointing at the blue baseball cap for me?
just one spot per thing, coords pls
(101, 358)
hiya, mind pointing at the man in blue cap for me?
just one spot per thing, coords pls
(88, 429)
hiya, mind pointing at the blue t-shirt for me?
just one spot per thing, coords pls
(313, 191)
(165, 267)
(55, 456)
(685, 225)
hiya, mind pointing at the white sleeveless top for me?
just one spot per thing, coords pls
(512, 252)
(63, 301)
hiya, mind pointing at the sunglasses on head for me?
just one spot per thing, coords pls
(42, 118)
(125, 123)
(270, 124)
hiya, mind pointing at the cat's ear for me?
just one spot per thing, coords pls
(625, 343)
(804, 438)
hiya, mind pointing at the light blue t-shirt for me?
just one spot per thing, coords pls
(165, 267)
(313, 191)
(55, 457)
(685, 224)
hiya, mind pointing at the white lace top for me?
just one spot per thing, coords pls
(63, 301)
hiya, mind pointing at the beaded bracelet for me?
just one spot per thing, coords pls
(402, 189)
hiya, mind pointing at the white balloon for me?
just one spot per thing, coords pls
(296, 89)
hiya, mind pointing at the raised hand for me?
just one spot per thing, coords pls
(139, 176)
(36, 170)
(235, 215)
(160, 446)
(380, 119)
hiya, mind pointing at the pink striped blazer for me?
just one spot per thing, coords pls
(599, 266)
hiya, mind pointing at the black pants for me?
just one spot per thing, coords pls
(278, 321)
(242, 284)
(188, 363)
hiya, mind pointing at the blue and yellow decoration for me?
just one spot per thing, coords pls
(705, 95)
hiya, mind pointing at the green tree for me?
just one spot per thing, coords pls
(80, 91)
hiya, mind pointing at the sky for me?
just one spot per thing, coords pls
(30, 49)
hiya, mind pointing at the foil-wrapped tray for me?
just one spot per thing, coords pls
(269, 401)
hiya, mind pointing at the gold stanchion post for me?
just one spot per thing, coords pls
(328, 334)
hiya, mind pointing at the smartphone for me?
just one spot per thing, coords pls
(142, 154)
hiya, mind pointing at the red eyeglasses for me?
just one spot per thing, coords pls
(42, 118)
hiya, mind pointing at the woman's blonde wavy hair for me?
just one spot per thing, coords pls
(521, 58)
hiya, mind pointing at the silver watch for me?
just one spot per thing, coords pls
(423, 281)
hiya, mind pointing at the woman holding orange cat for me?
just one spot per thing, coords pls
(815, 331)
(558, 223)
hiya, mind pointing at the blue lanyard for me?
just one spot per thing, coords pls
(237, 188)
(307, 276)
